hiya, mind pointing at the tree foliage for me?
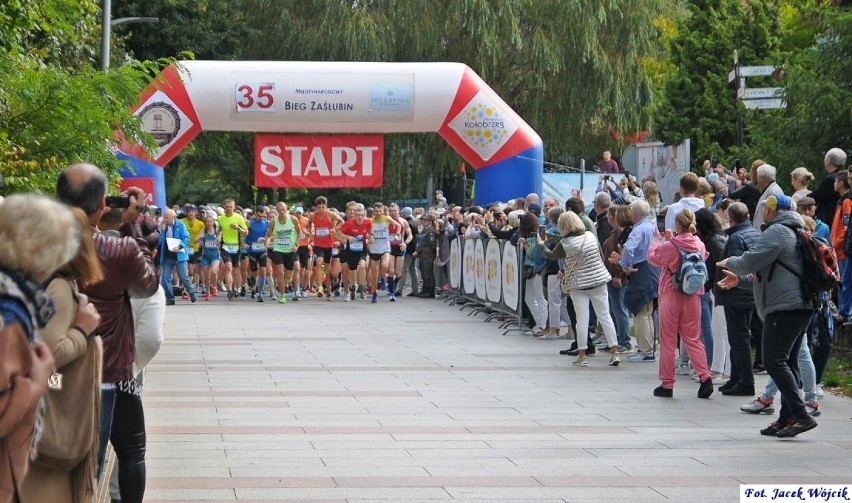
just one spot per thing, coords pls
(55, 108)
(574, 70)
(818, 82)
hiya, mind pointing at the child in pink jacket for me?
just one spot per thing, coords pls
(679, 313)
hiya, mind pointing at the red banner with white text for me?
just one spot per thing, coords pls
(311, 162)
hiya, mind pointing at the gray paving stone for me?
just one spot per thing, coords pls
(264, 402)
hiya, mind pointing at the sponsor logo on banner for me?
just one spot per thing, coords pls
(484, 126)
(295, 161)
(162, 121)
(391, 98)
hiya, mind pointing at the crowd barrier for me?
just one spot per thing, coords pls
(485, 274)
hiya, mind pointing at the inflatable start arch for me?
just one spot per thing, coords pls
(348, 97)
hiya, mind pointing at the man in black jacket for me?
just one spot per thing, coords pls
(825, 196)
(738, 304)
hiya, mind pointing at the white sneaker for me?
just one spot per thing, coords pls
(819, 392)
(683, 368)
(580, 361)
(614, 360)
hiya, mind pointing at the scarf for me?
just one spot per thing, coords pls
(27, 300)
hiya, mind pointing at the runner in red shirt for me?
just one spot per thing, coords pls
(357, 234)
(322, 225)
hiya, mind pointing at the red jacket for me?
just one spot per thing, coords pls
(129, 272)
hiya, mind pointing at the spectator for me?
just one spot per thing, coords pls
(839, 229)
(619, 219)
(70, 335)
(535, 261)
(780, 303)
(766, 184)
(807, 206)
(680, 313)
(45, 236)
(738, 304)
(688, 199)
(652, 195)
(586, 278)
(705, 192)
(710, 232)
(749, 193)
(799, 179)
(642, 286)
(607, 164)
(128, 273)
(552, 277)
(825, 196)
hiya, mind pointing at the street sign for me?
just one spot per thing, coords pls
(756, 71)
(752, 71)
(765, 103)
(759, 92)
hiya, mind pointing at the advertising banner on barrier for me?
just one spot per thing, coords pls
(312, 162)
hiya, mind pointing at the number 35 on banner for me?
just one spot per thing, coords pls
(255, 97)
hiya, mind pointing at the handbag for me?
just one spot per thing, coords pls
(564, 285)
(72, 413)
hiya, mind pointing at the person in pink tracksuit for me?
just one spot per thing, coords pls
(679, 313)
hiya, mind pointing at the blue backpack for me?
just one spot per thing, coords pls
(692, 274)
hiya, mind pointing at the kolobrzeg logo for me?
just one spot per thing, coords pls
(484, 126)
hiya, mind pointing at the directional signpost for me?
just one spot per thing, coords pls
(755, 98)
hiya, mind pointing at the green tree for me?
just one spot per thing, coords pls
(55, 108)
(573, 70)
(696, 100)
(818, 84)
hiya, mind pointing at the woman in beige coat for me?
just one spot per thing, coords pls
(69, 335)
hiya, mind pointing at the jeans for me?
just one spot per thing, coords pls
(806, 366)
(166, 278)
(783, 332)
(619, 314)
(706, 325)
(845, 300)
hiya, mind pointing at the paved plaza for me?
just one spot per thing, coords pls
(417, 401)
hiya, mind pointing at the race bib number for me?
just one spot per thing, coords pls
(356, 246)
(231, 248)
(210, 245)
(258, 247)
(323, 232)
(283, 242)
(381, 233)
(335, 251)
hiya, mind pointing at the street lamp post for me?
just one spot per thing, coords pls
(106, 28)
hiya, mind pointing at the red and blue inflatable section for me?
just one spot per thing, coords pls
(345, 98)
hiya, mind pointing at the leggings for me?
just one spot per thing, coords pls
(128, 440)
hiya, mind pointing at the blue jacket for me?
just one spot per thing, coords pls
(178, 232)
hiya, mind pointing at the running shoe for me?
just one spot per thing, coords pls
(391, 297)
(580, 361)
(207, 296)
(215, 291)
(260, 298)
(351, 292)
(303, 294)
(375, 298)
(758, 406)
(243, 292)
(283, 299)
(614, 360)
(813, 409)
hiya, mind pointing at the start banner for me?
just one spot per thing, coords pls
(312, 162)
